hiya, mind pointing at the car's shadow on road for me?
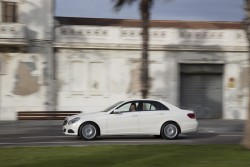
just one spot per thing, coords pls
(199, 135)
(148, 137)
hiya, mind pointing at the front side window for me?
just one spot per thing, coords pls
(112, 106)
(128, 107)
(9, 12)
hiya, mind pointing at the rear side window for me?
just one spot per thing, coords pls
(153, 106)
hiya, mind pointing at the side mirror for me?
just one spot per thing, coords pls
(116, 111)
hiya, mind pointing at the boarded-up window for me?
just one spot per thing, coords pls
(78, 76)
(9, 12)
(97, 77)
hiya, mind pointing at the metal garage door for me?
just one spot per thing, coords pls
(201, 89)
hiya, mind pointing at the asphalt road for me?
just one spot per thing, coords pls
(48, 133)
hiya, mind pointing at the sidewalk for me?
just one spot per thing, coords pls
(31, 127)
(54, 126)
(221, 126)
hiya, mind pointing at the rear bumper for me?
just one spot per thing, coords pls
(189, 127)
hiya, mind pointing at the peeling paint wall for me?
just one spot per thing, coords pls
(22, 86)
(26, 84)
(26, 60)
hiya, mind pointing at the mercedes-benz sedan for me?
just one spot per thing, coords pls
(132, 117)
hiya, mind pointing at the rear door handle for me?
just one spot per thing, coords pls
(134, 115)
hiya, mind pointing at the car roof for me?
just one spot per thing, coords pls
(143, 100)
(161, 101)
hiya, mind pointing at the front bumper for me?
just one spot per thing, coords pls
(71, 129)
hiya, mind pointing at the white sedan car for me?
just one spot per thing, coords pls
(150, 117)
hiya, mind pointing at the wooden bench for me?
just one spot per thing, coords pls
(45, 115)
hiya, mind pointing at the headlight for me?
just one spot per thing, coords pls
(74, 120)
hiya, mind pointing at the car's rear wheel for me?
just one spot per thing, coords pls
(88, 131)
(170, 131)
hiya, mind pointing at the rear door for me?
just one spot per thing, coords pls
(151, 116)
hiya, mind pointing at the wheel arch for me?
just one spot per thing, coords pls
(92, 122)
(173, 122)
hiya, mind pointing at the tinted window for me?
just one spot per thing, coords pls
(148, 107)
(153, 105)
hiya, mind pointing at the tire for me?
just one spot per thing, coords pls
(170, 131)
(88, 131)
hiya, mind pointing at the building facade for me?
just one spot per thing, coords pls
(26, 33)
(86, 64)
(195, 65)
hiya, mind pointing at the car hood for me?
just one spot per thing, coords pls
(84, 115)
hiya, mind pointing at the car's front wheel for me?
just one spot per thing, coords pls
(88, 131)
(170, 131)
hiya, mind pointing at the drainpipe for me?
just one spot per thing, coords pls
(53, 58)
(1, 86)
(52, 86)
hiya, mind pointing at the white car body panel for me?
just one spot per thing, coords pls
(137, 122)
(124, 123)
(151, 121)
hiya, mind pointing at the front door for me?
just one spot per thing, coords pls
(123, 120)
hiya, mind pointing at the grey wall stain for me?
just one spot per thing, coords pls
(135, 75)
(26, 84)
(243, 78)
(30, 65)
(135, 82)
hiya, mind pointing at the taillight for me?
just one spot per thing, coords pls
(191, 115)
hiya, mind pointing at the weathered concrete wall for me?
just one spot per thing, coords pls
(89, 80)
(102, 65)
(38, 17)
(235, 86)
(99, 65)
(26, 78)
(108, 37)
(235, 89)
(119, 75)
(21, 81)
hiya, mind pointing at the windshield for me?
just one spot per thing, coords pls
(112, 106)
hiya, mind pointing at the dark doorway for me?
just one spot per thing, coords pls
(201, 89)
